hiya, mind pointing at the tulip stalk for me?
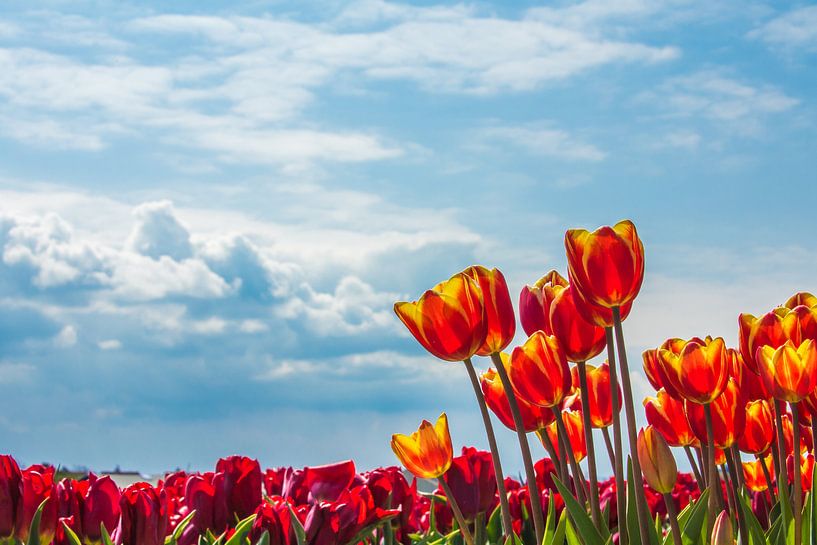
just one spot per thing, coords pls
(507, 527)
(621, 491)
(782, 485)
(595, 510)
(713, 480)
(466, 534)
(798, 484)
(533, 488)
(695, 469)
(564, 438)
(556, 457)
(672, 515)
(767, 475)
(629, 409)
(732, 463)
(609, 444)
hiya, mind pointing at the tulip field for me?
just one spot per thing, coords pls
(743, 418)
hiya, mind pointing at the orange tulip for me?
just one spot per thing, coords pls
(759, 431)
(657, 463)
(728, 417)
(654, 365)
(534, 302)
(579, 339)
(498, 309)
(722, 533)
(598, 394)
(789, 373)
(594, 314)
(607, 265)
(533, 417)
(650, 359)
(699, 371)
(806, 469)
(538, 371)
(448, 320)
(720, 457)
(666, 414)
(427, 453)
(575, 433)
(788, 435)
(750, 385)
(754, 475)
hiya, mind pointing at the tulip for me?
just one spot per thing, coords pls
(472, 480)
(538, 371)
(575, 433)
(789, 372)
(594, 314)
(533, 417)
(722, 532)
(427, 453)
(338, 522)
(759, 431)
(699, 371)
(598, 389)
(37, 485)
(657, 462)
(274, 518)
(144, 516)
(607, 265)
(755, 475)
(389, 490)
(579, 339)
(449, 320)
(101, 507)
(806, 470)
(10, 482)
(728, 417)
(667, 415)
(651, 368)
(325, 483)
(242, 484)
(535, 301)
(498, 309)
(749, 382)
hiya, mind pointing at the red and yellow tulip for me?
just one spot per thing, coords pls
(789, 372)
(427, 453)
(538, 371)
(498, 309)
(666, 414)
(534, 302)
(696, 370)
(657, 463)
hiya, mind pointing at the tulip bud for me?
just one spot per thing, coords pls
(534, 302)
(657, 462)
(722, 531)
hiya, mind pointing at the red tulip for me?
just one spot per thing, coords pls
(607, 265)
(274, 481)
(667, 415)
(390, 490)
(144, 516)
(598, 394)
(203, 495)
(538, 371)
(754, 475)
(338, 522)
(498, 309)
(241, 485)
(806, 469)
(789, 372)
(535, 301)
(448, 320)
(575, 433)
(750, 384)
(274, 518)
(533, 416)
(326, 482)
(651, 368)
(579, 339)
(759, 431)
(728, 417)
(10, 483)
(699, 371)
(37, 485)
(472, 481)
(594, 314)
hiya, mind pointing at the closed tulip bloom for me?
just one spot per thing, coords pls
(325, 483)
(242, 484)
(750, 384)
(607, 265)
(754, 475)
(667, 415)
(803, 298)
(273, 517)
(699, 371)
(789, 373)
(533, 417)
(754, 333)
(657, 463)
(580, 340)
(806, 470)
(10, 480)
(534, 302)
(722, 533)
(538, 371)
(472, 481)
(598, 394)
(449, 320)
(574, 425)
(101, 508)
(427, 453)
(806, 441)
(144, 516)
(36, 485)
(498, 309)
(759, 431)
(728, 417)
(650, 359)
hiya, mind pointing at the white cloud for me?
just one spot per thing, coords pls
(109, 344)
(14, 373)
(67, 337)
(554, 143)
(795, 29)
(158, 232)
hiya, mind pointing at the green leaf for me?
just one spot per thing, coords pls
(71, 535)
(241, 530)
(580, 517)
(106, 537)
(633, 525)
(513, 539)
(300, 533)
(177, 533)
(570, 535)
(34, 528)
(550, 523)
(559, 535)
(756, 535)
(494, 528)
(264, 539)
(693, 520)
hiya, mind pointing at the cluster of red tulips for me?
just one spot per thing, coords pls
(716, 403)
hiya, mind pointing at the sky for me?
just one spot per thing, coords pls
(208, 209)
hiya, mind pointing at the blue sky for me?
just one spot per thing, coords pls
(207, 209)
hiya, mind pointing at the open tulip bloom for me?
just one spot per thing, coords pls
(745, 419)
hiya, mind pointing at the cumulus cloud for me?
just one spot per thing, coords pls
(158, 232)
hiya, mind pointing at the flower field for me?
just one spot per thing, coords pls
(744, 419)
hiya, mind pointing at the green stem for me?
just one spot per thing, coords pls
(782, 484)
(798, 498)
(558, 462)
(768, 476)
(618, 466)
(714, 506)
(695, 469)
(466, 534)
(591, 449)
(672, 515)
(578, 482)
(609, 444)
(734, 478)
(524, 446)
(507, 523)
(629, 411)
